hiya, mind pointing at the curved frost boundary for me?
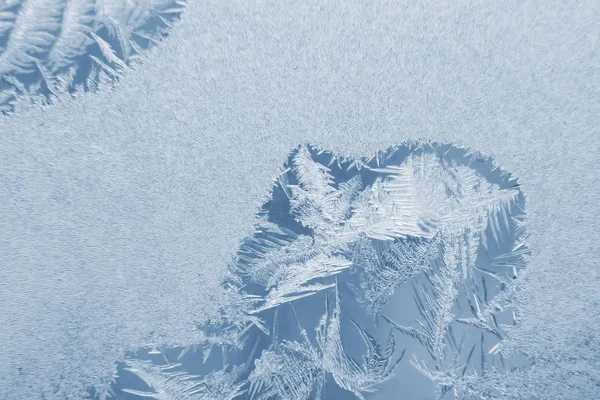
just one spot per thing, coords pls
(375, 275)
(48, 47)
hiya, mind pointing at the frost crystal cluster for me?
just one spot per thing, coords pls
(363, 278)
(50, 47)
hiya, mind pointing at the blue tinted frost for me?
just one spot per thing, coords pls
(49, 47)
(120, 209)
(363, 277)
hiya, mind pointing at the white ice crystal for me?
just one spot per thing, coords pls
(426, 218)
(52, 47)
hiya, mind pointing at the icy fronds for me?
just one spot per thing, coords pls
(51, 47)
(386, 266)
(165, 382)
(294, 281)
(415, 249)
(298, 370)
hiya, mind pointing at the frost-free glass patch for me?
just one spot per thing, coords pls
(49, 47)
(364, 278)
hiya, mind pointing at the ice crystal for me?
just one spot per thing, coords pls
(52, 47)
(164, 382)
(338, 244)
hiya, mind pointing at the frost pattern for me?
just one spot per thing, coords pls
(313, 307)
(165, 382)
(48, 47)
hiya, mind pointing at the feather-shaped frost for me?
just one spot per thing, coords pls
(311, 307)
(71, 41)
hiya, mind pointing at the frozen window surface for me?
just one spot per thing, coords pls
(120, 210)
